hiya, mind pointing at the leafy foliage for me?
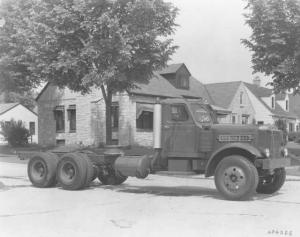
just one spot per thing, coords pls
(15, 133)
(275, 41)
(26, 98)
(82, 44)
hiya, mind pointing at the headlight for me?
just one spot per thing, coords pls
(285, 152)
(267, 152)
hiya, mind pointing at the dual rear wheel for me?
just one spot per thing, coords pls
(72, 171)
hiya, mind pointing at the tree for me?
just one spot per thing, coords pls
(15, 82)
(275, 41)
(82, 44)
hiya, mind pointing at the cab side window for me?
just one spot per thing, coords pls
(179, 113)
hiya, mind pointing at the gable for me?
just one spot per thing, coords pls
(222, 94)
(178, 75)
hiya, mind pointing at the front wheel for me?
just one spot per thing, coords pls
(272, 183)
(236, 178)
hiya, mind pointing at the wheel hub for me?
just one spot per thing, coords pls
(234, 178)
(68, 172)
(38, 170)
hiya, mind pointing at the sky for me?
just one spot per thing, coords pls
(209, 40)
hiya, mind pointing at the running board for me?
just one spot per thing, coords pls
(175, 173)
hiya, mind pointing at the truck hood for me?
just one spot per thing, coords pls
(234, 129)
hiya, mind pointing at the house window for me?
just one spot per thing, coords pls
(32, 128)
(145, 120)
(72, 118)
(245, 119)
(59, 116)
(233, 119)
(259, 123)
(241, 97)
(273, 102)
(179, 113)
(287, 105)
(115, 115)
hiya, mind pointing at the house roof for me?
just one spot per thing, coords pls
(222, 94)
(159, 86)
(261, 92)
(172, 68)
(7, 106)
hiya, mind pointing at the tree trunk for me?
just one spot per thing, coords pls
(108, 103)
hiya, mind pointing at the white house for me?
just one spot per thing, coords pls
(252, 104)
(17, 112)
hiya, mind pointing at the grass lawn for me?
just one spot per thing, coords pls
(294, 148)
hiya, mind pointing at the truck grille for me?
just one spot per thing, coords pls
(271, 139)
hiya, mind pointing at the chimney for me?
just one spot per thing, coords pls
(256, 81)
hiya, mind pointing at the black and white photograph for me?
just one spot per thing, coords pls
(149, 118)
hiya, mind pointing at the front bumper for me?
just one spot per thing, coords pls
(270, 164)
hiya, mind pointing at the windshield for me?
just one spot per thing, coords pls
(201, 114)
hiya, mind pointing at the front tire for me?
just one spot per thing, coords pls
(272, 183)
(236, 178)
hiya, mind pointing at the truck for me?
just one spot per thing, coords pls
(187, 140)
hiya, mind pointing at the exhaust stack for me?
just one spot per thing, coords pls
(157, 126)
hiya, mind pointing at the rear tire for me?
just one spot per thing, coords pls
(41, 169)
(72, 171)
(236, 178)
(90, 172)
(272, 183)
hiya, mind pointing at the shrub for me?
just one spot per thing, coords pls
(294, 136)
(15, 132)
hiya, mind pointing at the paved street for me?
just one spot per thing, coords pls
(156, 206)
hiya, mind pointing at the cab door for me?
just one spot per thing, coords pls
(178, 131)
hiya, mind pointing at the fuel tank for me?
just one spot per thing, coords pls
(134, 166)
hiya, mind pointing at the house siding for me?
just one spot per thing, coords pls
(261, 113)
(246, 108)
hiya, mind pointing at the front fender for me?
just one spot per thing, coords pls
(229, 149)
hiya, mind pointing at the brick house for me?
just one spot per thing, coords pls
(67, 117)
(251, 103)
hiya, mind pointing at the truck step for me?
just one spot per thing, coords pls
(175, 173)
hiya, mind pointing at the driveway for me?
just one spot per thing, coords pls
(155, 206)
